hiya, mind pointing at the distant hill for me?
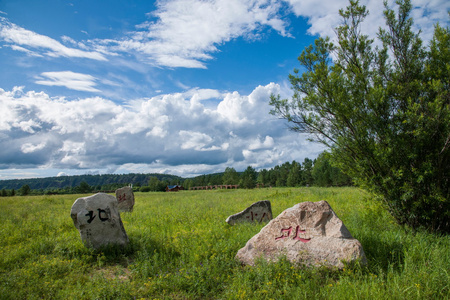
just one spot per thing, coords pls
(93, 180)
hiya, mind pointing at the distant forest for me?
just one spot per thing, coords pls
(318, 172)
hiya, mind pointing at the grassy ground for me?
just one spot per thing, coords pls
(181, 248)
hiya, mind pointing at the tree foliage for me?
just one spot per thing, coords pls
(383, 111)
(156, 185)
(294, 177)
(324, 173)
(84, 188)
(230, 176)
(248, 178)
(24, 190)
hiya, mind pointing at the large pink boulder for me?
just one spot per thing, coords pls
(307, 234)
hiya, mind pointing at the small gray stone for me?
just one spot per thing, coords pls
(308, 234)
(97, 219)
(257, 212)
(125, 199)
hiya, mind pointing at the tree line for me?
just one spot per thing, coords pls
(104, 181)
(77, 184)
(318, 172)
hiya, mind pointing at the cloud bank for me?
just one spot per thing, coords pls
(173, 133)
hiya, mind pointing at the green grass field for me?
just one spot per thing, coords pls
(181, 248)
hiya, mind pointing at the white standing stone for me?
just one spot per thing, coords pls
(125, 199)
(308, 234)
(257, 212)
(98, 220)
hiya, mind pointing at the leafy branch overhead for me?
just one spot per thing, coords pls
(384, 111)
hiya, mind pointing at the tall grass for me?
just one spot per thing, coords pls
(181, 248)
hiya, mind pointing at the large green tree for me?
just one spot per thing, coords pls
(84, 187)
(230, 176)
(307, 178)
(24, 190)
(384, 111)
(156, 185)
(295, 174)
(248, 178)
(325, 174)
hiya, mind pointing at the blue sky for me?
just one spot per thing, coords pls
(174, 86)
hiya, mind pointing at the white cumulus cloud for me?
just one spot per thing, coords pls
(174, 133)
(258, 144)
(29, 147)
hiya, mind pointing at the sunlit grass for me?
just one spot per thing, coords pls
(181, 248)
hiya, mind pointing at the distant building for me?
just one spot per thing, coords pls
(174, 188)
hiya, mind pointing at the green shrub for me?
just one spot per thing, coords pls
(386, 118)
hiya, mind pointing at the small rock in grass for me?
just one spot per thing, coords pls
(257, 212)
(308, 234)
(125, 199)
(98, 220)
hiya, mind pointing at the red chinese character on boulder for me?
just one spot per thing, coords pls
(297, 237)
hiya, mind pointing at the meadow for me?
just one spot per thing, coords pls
(181, 248)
